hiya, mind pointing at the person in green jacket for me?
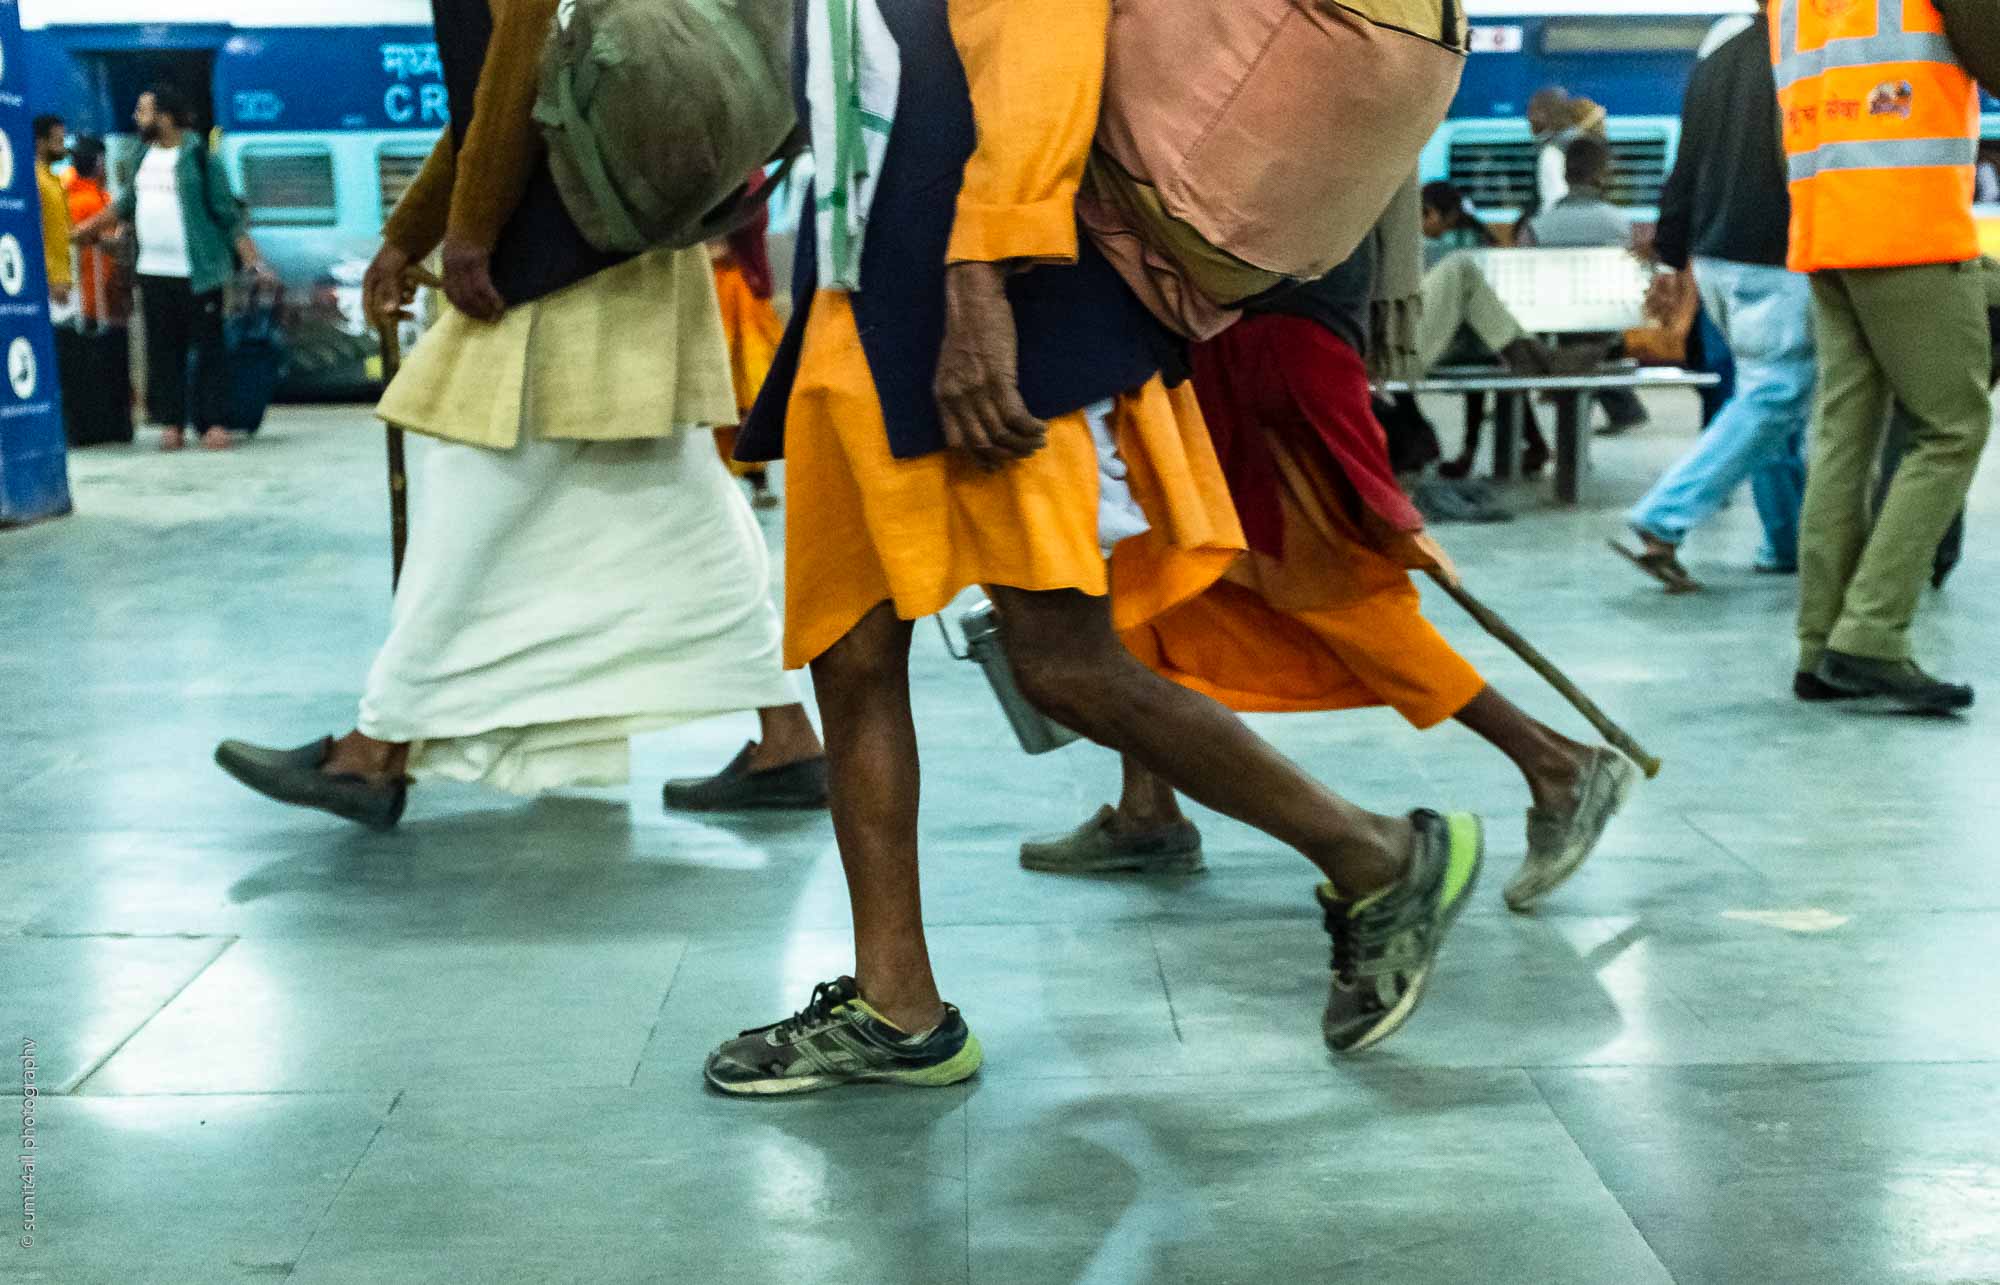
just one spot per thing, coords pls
(191, 234)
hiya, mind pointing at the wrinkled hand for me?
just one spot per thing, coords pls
(978, 379)
(468, 281)
(386, 291)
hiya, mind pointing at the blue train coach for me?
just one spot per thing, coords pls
(323, 114)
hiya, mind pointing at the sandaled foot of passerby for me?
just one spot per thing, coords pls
(299, 777)
(217, 439)
(172, 439)
(744, 787)
(1659, 560)
(1809, 687)
(1103, 845)
(1900, 682)
(1561, 840)
(1385, 945)
(839, 1039)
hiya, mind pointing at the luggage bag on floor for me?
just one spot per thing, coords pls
(95, 367)
(258, 358)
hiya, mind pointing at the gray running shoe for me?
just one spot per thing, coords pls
(838, 1039)
(1384, 945)
(1095, 848)
(1560, 842)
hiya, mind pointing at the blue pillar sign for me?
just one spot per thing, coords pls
(34, 468)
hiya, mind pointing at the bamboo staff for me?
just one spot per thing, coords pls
(1490, 621)
(389, 332)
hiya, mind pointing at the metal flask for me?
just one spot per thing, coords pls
(1036, 731)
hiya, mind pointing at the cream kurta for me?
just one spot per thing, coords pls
(633, 352)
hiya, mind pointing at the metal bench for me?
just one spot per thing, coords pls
(1558, 293)
(1572, 395)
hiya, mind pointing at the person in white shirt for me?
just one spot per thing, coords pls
(191, 237)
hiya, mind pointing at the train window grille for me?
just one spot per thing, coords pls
(290, 187)
(1500, 174)
(395, 171)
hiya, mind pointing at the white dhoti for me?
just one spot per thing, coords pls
(562, 596)
(579, 569)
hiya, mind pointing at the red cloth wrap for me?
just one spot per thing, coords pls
(1293, 378)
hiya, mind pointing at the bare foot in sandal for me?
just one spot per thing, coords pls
(1659, 560)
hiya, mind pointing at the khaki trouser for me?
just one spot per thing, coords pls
(1457, 297)
(1915, 335)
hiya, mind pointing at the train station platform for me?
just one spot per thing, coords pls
(1753, 1041)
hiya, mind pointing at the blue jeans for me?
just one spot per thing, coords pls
(1765, 314)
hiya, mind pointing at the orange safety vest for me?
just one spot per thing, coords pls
(1881, 125)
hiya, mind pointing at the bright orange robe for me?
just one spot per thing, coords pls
(866, 528)
(753, 329)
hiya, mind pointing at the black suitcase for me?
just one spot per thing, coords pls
(95, 368)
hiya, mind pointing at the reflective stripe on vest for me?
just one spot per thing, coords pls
(1888, 154)
(1881, 124)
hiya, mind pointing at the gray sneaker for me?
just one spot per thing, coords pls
(1560, 842)
(838, 1039)
(1384, 945)
(1096, 848)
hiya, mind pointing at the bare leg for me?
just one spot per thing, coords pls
(1070, 663)
(784, 736)
(1550, 761)
(356, 754)
(871, 749)
(1147, 803)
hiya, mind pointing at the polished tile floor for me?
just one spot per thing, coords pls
(1757, 1041)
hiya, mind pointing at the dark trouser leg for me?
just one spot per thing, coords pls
(167, 306)
(863, 683)
(208, 387)
(1927, 330)
(1073, 667)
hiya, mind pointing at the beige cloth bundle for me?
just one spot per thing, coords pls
(1246, 144)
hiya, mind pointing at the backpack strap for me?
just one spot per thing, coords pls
(610, 206)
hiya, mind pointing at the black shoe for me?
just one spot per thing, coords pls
(1808, 687)
(1899, 680)
(797, 786)
(294, 777)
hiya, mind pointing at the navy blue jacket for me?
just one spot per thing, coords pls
(1084, 336)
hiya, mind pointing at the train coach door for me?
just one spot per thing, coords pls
(116, 77)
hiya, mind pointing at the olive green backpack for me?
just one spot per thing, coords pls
(655, 111)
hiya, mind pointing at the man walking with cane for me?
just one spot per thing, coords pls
(580, 566)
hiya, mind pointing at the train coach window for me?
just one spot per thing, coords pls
(1680, 36)
(395, 169)
(289, 186)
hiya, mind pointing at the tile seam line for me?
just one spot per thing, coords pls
(319, 1224)
(659, 1012)
(76, 1088)
(1577, 1147)
(1726, 850)
(1166, 987)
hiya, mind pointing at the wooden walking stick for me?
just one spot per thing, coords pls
(389, 332)
(399, 477)
(1490, 621)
